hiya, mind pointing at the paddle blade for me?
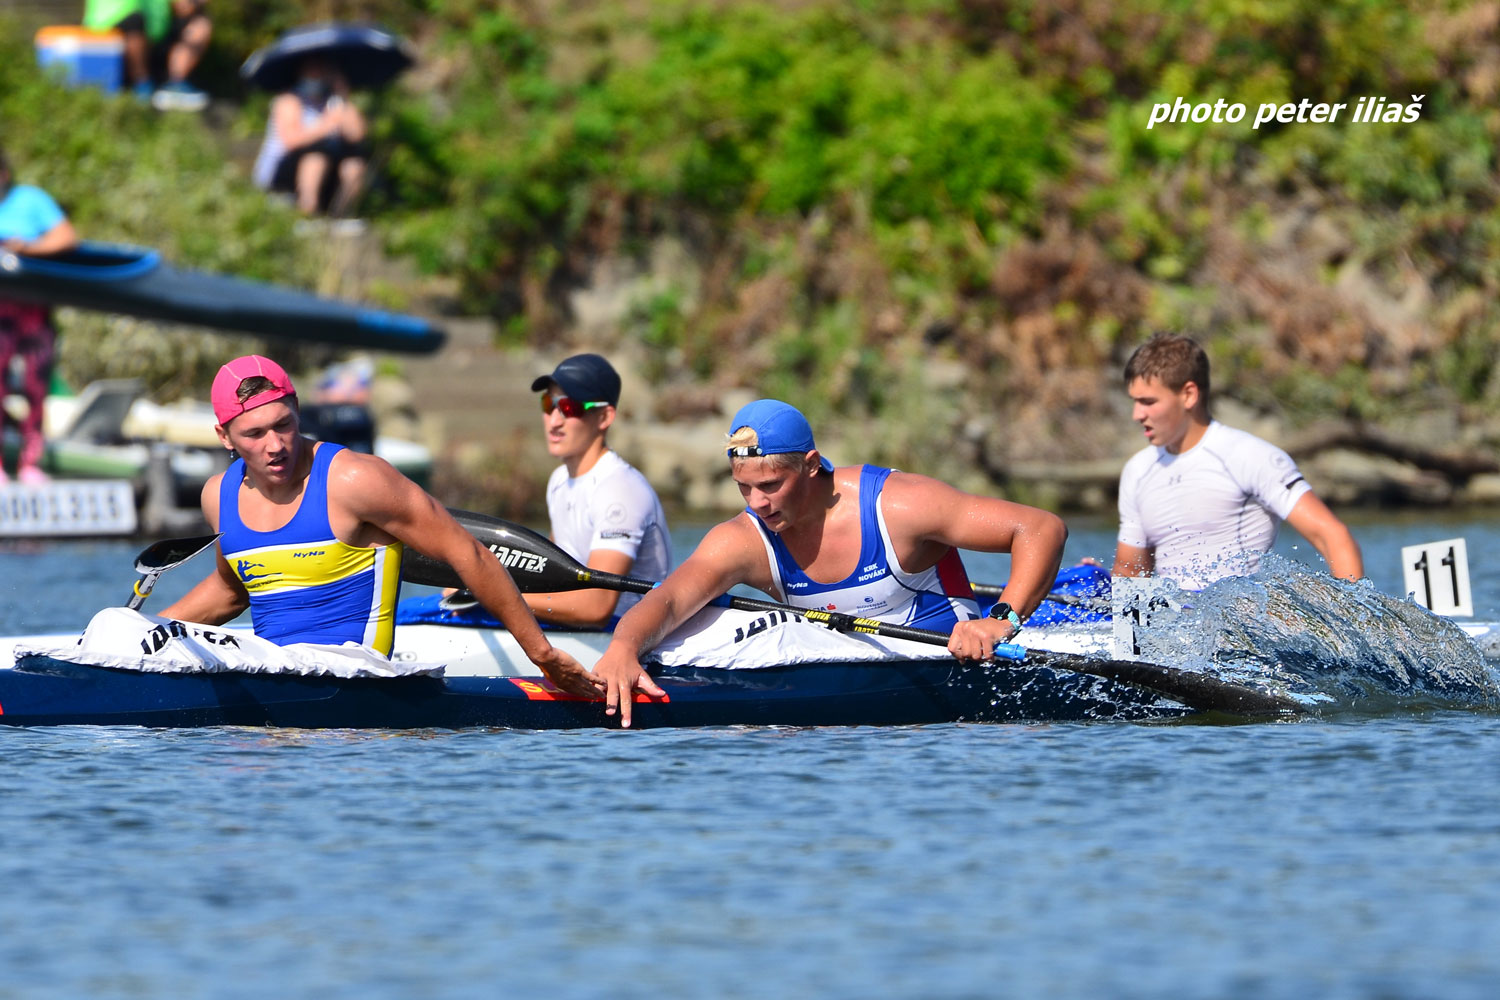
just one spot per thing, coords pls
(535, 562)
(1196, 690)
(158, 557)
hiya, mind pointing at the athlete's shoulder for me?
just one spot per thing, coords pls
(358, 470)
(1223, 434)
(1137, 464)
(902, 485)
(1233, 444)
(209, 499)
(612, 467)
(733, 541)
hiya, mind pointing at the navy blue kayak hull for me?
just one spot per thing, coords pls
(134, 281)
(41, 691)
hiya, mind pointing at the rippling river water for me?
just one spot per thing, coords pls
(1348, 856)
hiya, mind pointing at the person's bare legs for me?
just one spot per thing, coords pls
(9, 343)
(192, 42)
(311, 170)
(351, 186)
(136, 69)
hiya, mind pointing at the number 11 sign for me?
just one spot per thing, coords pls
(1437, 576)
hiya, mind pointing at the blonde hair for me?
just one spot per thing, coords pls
(746, 437)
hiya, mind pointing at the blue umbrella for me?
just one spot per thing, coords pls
(367, 56)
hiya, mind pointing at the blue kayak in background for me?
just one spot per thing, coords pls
(135, 281)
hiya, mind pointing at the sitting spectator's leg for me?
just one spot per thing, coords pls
(186, 41)
(38, 351)
(351, 186)
(312, 168)
(137, 65)
(192, 41)
(8, 344)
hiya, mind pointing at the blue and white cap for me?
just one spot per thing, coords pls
(780, 429)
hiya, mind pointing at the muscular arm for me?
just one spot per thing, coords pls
(587, 608)
(1330, 536)
(925, 517)
(726, 556)
(218, 597)
(371, 503)
(925, 512)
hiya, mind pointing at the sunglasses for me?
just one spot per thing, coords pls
(571, 408)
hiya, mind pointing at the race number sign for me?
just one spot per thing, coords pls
(1437, 576)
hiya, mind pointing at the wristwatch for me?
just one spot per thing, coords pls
(1004, 612)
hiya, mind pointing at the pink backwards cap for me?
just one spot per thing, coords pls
(225, 394)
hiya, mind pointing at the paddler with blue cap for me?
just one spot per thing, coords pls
(313, 534)
(861, 540)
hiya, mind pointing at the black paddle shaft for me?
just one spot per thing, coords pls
(537, 564)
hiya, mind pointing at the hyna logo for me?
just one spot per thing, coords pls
(244, 566)
(526, 562)
(166, 632)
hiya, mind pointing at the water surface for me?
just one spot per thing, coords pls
(1352, 856)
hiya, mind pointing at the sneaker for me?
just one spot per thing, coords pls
(179, 95)
(30, 475)
(347, 227)
(144, 91)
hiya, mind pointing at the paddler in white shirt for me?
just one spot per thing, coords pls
(1203, 501)
(603, 511)
(859, 540)
(313, 535)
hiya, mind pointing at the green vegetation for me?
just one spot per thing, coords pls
(125, 173)
(864, 189)
(872, 185)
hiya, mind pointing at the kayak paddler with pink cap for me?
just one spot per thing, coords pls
(313, 534)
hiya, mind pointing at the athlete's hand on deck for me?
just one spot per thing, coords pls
(567, 673)
(622, 675)
(975, 639)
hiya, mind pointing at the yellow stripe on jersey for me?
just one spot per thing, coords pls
(381, 632)
(279, 569)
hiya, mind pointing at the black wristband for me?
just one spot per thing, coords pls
(1004, 612)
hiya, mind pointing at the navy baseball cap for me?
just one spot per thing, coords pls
(587, 378)
(780, 429)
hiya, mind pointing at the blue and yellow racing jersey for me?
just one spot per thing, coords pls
(304, 584)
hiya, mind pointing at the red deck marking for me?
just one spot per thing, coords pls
(545, 690)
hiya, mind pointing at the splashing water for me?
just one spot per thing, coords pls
(1333, 644)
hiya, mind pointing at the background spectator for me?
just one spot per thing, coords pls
(30, 223)
(163, 39)
(315, 146)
